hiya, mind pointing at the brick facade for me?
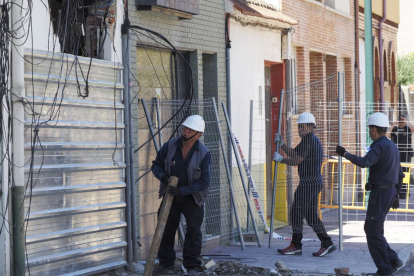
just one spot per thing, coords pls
(389, 56)
(203, 39)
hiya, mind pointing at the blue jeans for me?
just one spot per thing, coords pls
(380, 202)
(193, 238)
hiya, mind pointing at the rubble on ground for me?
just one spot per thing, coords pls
(229, 268)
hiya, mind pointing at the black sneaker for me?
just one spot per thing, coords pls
(160, 269)
(397, 265)
(324, 251)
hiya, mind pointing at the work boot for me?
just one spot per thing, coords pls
(290, 250)
(395, 266)
(160, 269)
(324, 251)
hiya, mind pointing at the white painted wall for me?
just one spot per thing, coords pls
(405, 38)
(251, 47)
(41, 34)
(342, 6)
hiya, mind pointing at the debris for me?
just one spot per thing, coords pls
(274, 272)
(209, 264)
(282, 267)
(343, 271)
(225, 268)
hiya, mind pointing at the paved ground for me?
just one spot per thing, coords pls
(399, 231)
(354, 255)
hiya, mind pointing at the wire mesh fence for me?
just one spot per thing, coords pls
(296, 185)
(307, 184)
(166, 116)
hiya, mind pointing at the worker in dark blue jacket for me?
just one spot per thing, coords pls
(384, 182)
(190, 161)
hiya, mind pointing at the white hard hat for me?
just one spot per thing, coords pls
(306, 118)
(378, 119)
(195, 122)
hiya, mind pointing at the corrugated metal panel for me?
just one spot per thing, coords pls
(77, 219)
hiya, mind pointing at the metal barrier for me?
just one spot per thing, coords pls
(351, 205)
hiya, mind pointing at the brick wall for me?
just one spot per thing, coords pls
(325, 33)
(204, 34)
(389, 34)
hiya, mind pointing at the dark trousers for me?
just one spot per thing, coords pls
(305, 206)
(380, 201)
(193, 238)
(405, 157)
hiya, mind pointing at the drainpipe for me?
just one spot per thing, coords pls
(128, 198)
(19, 93)
(357, 74)
(228, 89)
(381, 50)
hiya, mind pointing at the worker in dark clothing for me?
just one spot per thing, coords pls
(384, 182)
(401, 136)
(190, 161)
(308, 157)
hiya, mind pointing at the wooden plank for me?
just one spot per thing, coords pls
(159, 230)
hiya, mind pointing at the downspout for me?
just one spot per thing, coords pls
(381, 50)
(228, 46)
(18, 182)
(357, 74)
(228, 95)
(128, 198)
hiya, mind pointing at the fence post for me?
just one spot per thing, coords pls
(250, 156)
(272, 218)
(340, 103)
(228, 172)
(233, 142)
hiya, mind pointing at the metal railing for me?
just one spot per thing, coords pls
(351, 205)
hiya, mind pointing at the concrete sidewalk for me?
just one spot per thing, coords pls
(355, 254)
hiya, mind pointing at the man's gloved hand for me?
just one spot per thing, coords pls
(279, 138)
(340, 150)
(165, 180)
(277, 157)
(173, 191)
(396, 203)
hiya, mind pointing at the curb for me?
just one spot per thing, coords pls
(407, 256)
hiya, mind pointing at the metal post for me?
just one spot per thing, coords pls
(233, 142)
(369, 69)
(159, 121)
(279, 127)
(250, 156)
(340, 101)
(128, 198)
(131, 154)
(19, 93)
(226, 165)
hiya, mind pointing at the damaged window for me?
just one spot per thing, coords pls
(84, 27)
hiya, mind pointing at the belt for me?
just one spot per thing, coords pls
(385, 186)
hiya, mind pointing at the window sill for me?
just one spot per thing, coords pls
(314, 2)
(338, 12)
